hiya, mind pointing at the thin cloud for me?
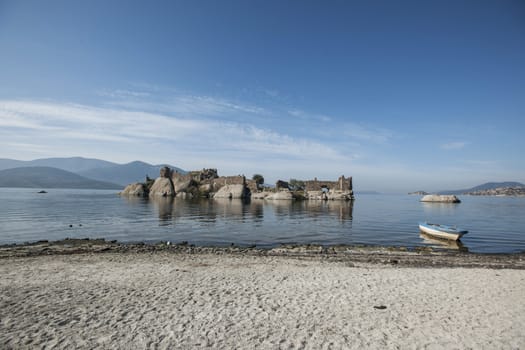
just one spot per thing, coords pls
(453, 145)
(300, 114)
(364, 133)
(124, 135)
(181, 104)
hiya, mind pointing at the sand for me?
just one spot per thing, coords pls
(162, 300)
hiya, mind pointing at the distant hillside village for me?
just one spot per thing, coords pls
(507, 189)
(207, 183)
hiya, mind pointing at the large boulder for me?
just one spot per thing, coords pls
(340, 195)
(330, 195)
(181, 185)
(135, 189)
(260, 195)
(232, 191)
(316, 195)
(440, 198)
(281, 195)
(162, 187)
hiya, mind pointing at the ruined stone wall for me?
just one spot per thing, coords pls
(165, 172)
(209, 178)
(280, 184)
(342, 184)
(252, 185)
(221, 181)
(181, 177)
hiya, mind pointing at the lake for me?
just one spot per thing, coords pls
(495, 224)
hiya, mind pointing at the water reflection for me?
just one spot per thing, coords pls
(343, 210)
(443, 243)
(440, 208)
(257, 211)
(169, 210)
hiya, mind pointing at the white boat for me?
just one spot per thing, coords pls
(442, 231)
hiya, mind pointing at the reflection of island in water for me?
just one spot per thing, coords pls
(164, 206)
(343, 210)
(170, 210)
(440, 208)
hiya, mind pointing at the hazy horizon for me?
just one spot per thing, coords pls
(402, 96)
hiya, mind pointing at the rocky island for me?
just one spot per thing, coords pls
(207, 183)
(440, 198)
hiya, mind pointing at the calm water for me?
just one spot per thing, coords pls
(495, 224)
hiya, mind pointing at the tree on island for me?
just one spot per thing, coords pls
(296, 185)
(259, 180)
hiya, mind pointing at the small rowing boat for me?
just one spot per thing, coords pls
(442, 231)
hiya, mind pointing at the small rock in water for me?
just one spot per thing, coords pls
(380, 307)
(42, 191)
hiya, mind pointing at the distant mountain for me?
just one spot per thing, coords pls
(47, 177)
(10, 163)
(73, 164)
(485, 187)
(122, 174)
(125, 174)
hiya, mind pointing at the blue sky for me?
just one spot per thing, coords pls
(401, 95)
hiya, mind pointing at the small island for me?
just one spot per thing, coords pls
(207, 183)
(437, 198)
(418, 193)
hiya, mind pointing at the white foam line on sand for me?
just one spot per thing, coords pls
(166, 301)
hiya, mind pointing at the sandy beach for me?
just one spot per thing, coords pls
(166, 300)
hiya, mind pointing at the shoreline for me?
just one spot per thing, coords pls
(100, 295)
(423, 257)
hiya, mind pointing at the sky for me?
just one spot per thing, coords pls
(400, 95)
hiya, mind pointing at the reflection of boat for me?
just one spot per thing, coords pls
(443, 243)
(441, 231)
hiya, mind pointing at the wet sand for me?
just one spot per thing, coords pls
(97, 294)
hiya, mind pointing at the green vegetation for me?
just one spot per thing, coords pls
(296, 185)
(259, 180)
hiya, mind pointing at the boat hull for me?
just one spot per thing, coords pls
(441, 232)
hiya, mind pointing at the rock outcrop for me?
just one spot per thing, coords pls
(136, 189)
(261, 195)
(281, 195)
(232, 192)
(436, 198)
(162, 187)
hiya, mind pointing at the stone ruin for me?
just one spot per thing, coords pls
(208, 183)
(165, 172)
(325, 190)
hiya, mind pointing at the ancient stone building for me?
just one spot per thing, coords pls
(208, 181)
(342, 184)
(326, 190)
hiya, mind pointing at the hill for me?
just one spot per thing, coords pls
(122, 174)
(47, 177)
(125, 174)
(485, 187)
(72, 164)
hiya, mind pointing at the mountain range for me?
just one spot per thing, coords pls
(47, 177)
(112, 174)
